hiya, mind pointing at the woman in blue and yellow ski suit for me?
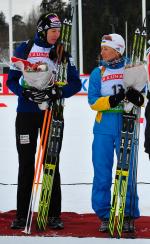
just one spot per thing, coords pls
(105, 94)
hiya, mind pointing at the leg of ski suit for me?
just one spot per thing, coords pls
(27, 126)
(103, 157)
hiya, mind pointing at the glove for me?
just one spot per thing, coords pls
(34, 95)
(114, 100)
(135, 97)
(148, 95)
(39, 96)
(53, 92)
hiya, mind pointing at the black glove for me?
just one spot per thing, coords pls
(34, 95)
(53, 92)
(148, 95)
(38, 96)
(135, 97)
(114, 100)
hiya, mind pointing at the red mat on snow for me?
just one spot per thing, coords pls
(76, 225)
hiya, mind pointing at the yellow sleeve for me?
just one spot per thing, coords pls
(101, 104)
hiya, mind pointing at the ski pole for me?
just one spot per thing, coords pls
(38, 169)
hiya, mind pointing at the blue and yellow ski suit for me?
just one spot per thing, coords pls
(105, 81)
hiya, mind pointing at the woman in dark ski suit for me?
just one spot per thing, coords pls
(30, 118)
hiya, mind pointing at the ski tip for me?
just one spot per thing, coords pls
(137, 31)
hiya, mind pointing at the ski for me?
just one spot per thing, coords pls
(129, 123)
(122, 172)
(56, 130)
(142, 46)
(112, 218)
(135, 45)
(148, 66)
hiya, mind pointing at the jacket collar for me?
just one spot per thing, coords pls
(41, 43)
(115, 64)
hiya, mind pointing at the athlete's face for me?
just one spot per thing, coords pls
(109, 53)
(52, 35)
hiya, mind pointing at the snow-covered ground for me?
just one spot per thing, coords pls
(69, 240)
(76, 166)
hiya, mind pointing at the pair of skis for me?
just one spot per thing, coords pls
(51, 139)
(52, 158)
(128, 152)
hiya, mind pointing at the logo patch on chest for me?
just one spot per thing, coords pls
(112, 77)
